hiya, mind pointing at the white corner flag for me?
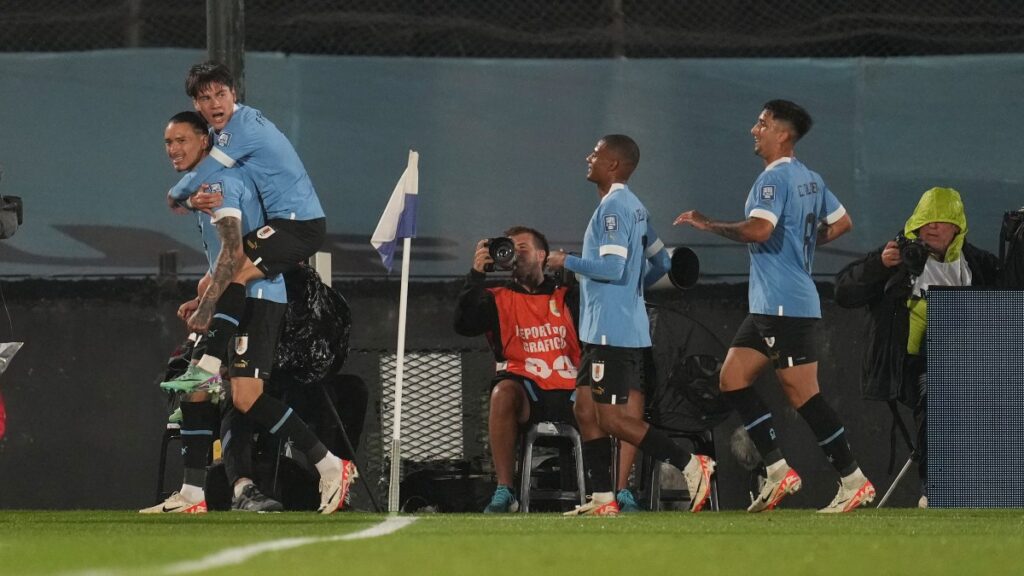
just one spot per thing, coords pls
(399, 221)
(399, 218)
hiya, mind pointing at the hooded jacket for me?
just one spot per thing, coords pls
(886, 292)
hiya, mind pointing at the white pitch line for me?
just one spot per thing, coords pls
(233, 556)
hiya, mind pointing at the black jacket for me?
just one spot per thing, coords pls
(884, 291)
(476, 313)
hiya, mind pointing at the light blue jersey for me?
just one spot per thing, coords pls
(257, 147)
(794, 199)
(240, 201)
(614, 269)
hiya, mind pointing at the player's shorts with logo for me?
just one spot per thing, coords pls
(545, 405)
(611, 372)
(253, 350)
(786, 340)
(280, 245)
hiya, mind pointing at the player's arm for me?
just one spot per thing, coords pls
(229, 260)
(658, 260)
(187, 308)
(828, 232)
(753, 229)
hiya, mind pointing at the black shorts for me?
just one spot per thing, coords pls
(281, 245)
(545, 405)
(785, 340)
(252, 352)
(611, 372)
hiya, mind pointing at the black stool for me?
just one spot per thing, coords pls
(551, 430)
(171, 433)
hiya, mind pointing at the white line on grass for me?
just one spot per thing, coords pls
(233, 556)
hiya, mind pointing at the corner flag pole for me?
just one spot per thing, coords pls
(396, 429)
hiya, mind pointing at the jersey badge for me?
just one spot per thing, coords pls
(768, 193)
(597, 371)
(611, 223)
(265, 232)
(217, 188)
(241, 344)
(770, 341)
(223, 138)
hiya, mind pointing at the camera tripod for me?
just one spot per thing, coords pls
(915, 455)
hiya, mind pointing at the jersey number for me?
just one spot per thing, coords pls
(539, 368)
(810, 236)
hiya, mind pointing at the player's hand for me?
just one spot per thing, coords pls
(556, 260)
(175, 206)
(199, 321)
(186, 309)
(693, 218)
(891, 254)
(481, 257)
(205, 201)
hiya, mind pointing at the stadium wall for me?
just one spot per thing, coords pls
(85, 417)
(501, 142)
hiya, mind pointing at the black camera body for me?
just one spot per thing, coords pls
(503, 251)
(913, 252)
(11, 213)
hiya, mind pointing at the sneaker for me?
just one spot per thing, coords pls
(502, 501)
(334, 490)
(773, 492)
(595, 508)
(175, 417)
(195, 379)
(848, 499)
(176, 504)
(252, 500)
(627, 503)
(698, 480)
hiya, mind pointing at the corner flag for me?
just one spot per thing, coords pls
(399, 218)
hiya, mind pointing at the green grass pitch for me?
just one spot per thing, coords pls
(789, 542)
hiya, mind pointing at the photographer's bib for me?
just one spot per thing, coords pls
(538, 339)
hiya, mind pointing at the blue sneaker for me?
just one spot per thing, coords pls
(627, 503)
(502, 501)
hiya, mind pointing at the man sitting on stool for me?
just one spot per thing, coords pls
(530, 322)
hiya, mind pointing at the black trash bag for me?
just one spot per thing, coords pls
(315, 334)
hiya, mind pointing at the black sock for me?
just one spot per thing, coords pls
(236, 444)
(661, 447)
(829, 431)
(281, 420)
(597, 459)
(224, 326)
(198, 421)
(757, 421)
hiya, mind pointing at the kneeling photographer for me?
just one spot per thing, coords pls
(892, 282)
(530, 323)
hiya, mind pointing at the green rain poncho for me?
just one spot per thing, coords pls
(936, 205)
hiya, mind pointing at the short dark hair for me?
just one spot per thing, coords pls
(791, 113)
(625, 147)
(202, 75)
(193, 118)
(538, 238)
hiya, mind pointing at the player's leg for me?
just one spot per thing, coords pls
(597, 445)
(236, 447)
(750, 353)
(253, 356)
(199, 419)
(509, 408)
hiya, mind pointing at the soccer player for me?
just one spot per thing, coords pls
(259, 323)
(295, 223)
(186, 140)
(789, 211)
(621, 255)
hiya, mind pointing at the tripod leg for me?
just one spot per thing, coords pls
(348, 443)
(892, 487)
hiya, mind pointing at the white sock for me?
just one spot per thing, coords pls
(329, 464)
(210, 363)
(777, 471)
(854, 479)
(192, 493)
(240, 486)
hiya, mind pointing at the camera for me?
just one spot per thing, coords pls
(914, 253)
(11, 213)
(503, 251)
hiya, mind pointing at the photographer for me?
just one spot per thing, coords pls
(893, 283)
(530, 323)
